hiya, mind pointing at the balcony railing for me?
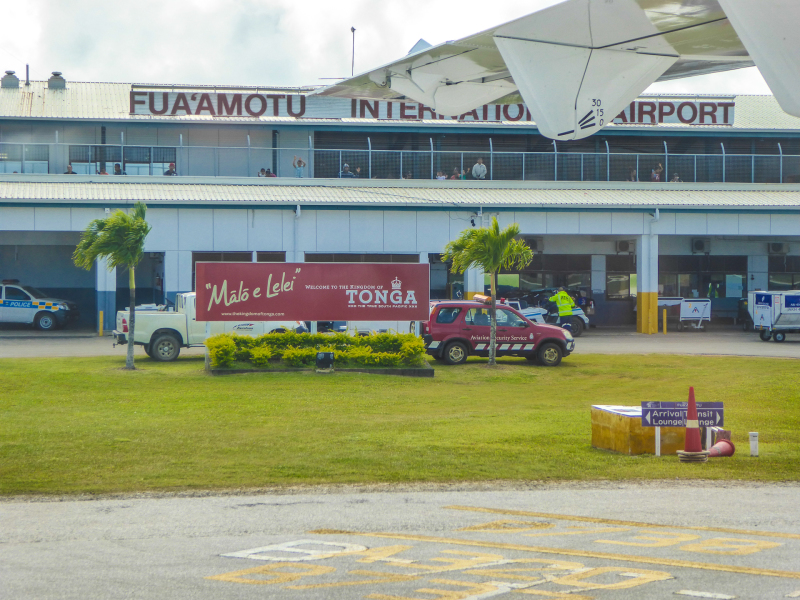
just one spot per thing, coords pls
(209, 161)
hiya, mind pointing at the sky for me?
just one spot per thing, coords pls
(257, 42)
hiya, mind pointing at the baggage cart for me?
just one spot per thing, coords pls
(775, 314)
(688, 313)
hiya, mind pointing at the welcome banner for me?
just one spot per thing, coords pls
(312, 291)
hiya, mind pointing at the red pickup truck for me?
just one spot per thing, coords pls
(457, 329)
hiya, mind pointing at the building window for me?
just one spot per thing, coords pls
(361, 258)
(218, 257)
(621, 281)
(620, 286)
(271, 257)
(784, 273)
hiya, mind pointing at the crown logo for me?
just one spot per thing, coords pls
(396, 284)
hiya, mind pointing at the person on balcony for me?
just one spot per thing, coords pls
(633, 175)
(298, 164)
(655, 174)
(676, 179)
(69, 170)
(118, 170)
(479, 170)
(171, 170)
(346, 172)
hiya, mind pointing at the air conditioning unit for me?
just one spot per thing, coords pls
(626, 246)
(778, 248)
(701, 246)
(536, 244)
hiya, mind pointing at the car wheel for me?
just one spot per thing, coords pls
(577, 326)
(45, 321)
(679, 326)
(455, 353)
(165, 348)
(765, 335)
(746, 326)
(780, 336)
(278, 331)
(550, 355)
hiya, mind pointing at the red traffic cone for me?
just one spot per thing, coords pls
(722, 448)
(693, 451)
(693, 443)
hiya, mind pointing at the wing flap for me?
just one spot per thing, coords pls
(768, 29)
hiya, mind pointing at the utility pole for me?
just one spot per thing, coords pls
(353, 63)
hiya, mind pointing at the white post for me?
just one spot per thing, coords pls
(658, 441)
(708, 438)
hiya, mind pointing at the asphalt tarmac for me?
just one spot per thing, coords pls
(604, 541)
(728, 341)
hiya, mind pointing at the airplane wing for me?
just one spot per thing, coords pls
(578, 63)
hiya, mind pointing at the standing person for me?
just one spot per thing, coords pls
(298, 164)
(69, 170)
(676, 179)
(655, 174)
(479, 170)
(456, 174)
(171, 170)
(565, 305)
(465, 174)
(633, 175)
(118, 170)
(262, 173)
(346, 172)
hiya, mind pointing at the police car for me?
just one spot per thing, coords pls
(26, 304)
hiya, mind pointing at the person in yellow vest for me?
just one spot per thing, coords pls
(565, 304)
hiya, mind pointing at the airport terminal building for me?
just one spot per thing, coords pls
(356, 180)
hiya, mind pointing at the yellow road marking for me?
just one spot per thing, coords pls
(473, 589)
(659, 539)
(730, 546)
(276, 573)
(668, 562)
(377, 577)
(525, 513)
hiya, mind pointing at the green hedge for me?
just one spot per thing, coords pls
(300, 349)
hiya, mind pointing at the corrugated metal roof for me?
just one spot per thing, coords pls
(111, 101)
(374, 193)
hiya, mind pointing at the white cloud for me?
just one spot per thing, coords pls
(254, 42)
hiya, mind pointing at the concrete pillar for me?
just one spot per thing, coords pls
(599, 274)
(473, 283)
(106, 289)
(757, 273)
(175, 281)
(647, 284)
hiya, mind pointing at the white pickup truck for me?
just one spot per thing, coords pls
(164, 332)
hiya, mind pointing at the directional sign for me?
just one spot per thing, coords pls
(673, 414)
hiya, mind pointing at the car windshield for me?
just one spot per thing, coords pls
(34, 292)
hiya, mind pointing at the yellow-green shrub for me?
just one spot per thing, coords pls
(221, 350)
(260, 356)
(300, 349)
(299, 357)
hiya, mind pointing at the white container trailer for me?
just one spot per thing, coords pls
(775, 314)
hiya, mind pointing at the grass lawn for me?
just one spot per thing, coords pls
(84, 425)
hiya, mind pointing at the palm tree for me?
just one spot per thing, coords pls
(491, 250)
(120, 240)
